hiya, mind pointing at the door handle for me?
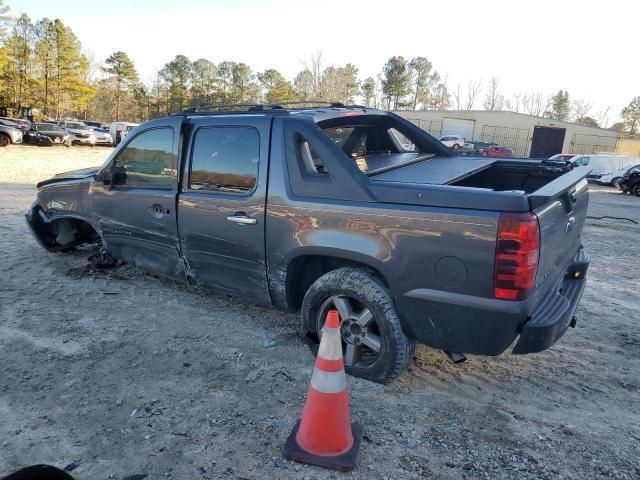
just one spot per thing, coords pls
(158, 211)
(242, 219)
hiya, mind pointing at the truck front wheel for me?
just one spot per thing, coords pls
(374, 345)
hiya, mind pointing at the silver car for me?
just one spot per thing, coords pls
(9, 135)
(79, 133)
(102, 137)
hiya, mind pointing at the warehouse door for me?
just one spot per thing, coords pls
(457, 126)
(547, 141)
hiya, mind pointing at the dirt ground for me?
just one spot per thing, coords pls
(122, 373)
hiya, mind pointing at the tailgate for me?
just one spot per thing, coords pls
(561, 207)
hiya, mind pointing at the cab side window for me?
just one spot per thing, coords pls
(148, 160)
(581, 162)
(225, 159)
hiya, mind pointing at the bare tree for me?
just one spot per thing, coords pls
(94, 68)
(602, 117)
(580, 109)
(518, 100)
(315, 66)
(473, 90)
(536, 104)
(457, 96)
(493, 100)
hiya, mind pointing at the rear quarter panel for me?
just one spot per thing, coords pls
(406, 244)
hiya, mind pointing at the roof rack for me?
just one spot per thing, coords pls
(259, 107)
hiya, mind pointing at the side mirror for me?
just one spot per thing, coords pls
(112, 176)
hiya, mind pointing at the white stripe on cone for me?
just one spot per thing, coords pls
(330, 344)
(328, 382)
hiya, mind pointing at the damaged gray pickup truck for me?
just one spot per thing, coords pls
(339, 207)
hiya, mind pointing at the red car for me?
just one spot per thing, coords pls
(495, 152)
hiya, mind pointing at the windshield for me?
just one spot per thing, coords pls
(77, 126)
(47, 127)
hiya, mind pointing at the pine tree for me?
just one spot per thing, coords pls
(425, 79)
(368, 91)
(70, 91)
(204, 78)
(396, 81)
(277, 88)
(244, 88)
(124, 74)
(44, 59)
(560, 106)
(631, 115)
(16, 75)
(176, 75)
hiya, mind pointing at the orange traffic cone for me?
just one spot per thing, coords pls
(325, 436)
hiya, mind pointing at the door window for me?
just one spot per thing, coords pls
(148, 160)
(582, 161)
(225, 159)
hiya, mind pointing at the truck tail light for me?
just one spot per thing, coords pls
(517, 250)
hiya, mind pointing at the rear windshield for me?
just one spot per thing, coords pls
(377, 143)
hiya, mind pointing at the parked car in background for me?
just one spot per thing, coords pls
(92, 123)
(630, 182)
(119, 130)
(102, 137)
(23, 125)
(48, 134)
(10, 123)
(614, 179)
(453, 141)
(495, 152)
(10, 135)
(603, 164)
(80, 133)
(563, 156)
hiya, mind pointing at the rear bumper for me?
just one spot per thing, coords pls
(486, 326)
(555, 313)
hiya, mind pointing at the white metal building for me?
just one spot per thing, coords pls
(526, 135)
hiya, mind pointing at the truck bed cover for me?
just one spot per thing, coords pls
(437, 171)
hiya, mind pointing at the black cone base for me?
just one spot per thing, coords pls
(344, 463)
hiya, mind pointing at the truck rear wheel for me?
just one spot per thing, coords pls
(374, 345)
(4, 140)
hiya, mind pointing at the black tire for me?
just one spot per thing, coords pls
(636, 189)
(616, 182)
(396, 350)
(456, 146)
(5, 141)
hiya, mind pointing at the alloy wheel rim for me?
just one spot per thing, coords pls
(360, 332)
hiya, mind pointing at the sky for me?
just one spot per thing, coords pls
(590, 48)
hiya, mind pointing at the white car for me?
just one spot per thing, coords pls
(602, 165)
(615, 178)
(79, 133)
(102, 137)
(453, 141)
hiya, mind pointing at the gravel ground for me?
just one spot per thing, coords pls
(123, 373)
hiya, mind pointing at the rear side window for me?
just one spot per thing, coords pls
(148, 160)
(310, 160)
(403, 142)
(225, 159)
